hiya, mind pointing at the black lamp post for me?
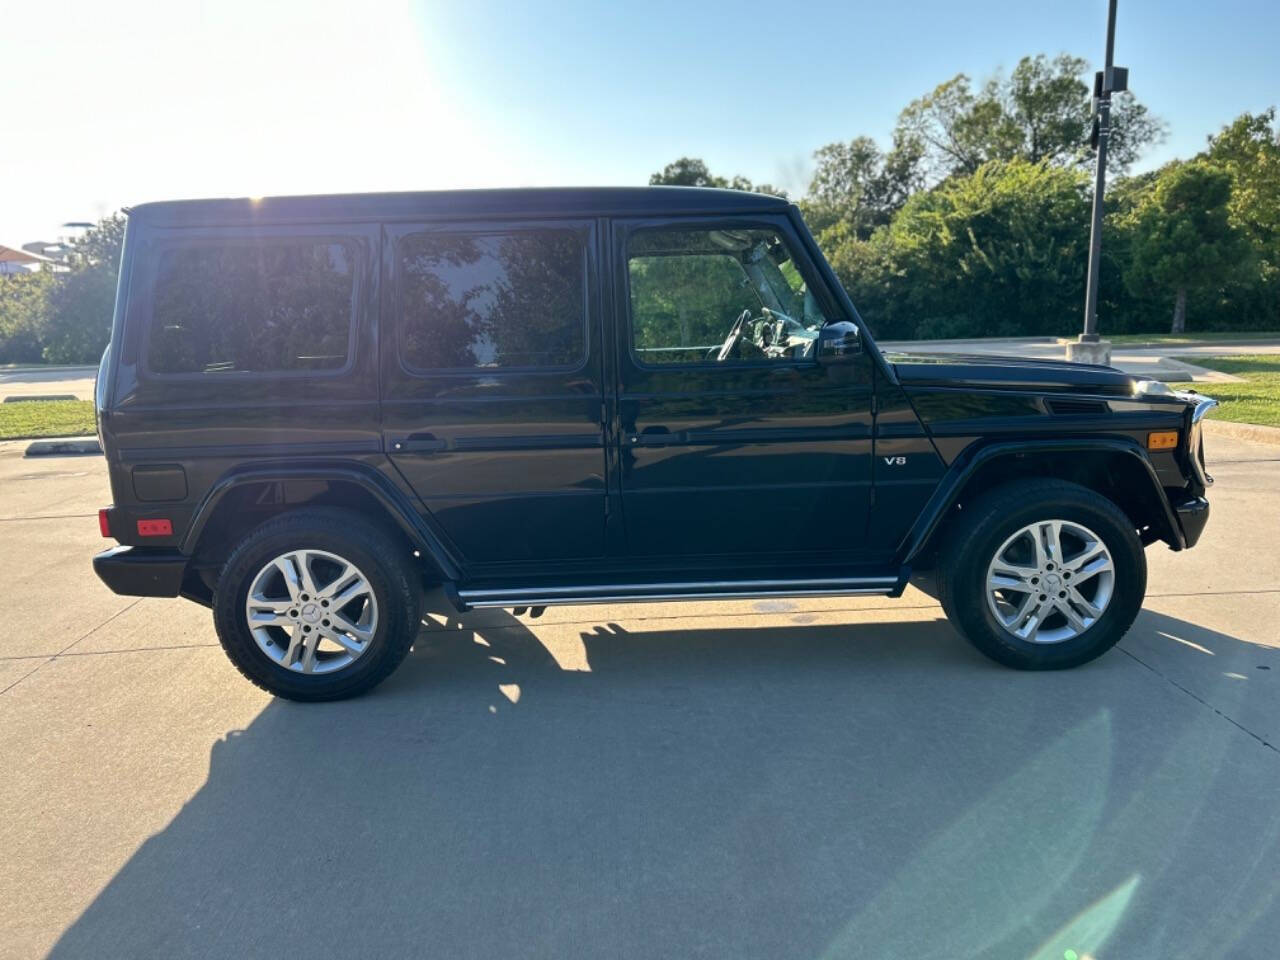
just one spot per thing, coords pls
(1111, 79)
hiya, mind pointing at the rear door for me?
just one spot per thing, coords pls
(735, 446)
(492, 394)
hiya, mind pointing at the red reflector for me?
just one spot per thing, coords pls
(104, 522)
(155, 528)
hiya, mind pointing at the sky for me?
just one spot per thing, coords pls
(114, 103)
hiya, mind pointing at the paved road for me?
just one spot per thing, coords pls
(29, 381)
(1172, 363)
(825, 778)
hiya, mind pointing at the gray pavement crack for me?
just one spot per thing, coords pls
(1200, 700)
(84, 636)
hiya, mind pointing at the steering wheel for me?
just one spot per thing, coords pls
(735, 335)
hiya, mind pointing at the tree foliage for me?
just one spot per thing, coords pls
(857, 186)
(1184, 241)
(64, 317)
(998, 253)
(975, 220)
(693, 172)
(1042, 111)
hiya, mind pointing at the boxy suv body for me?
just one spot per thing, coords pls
(315, 408)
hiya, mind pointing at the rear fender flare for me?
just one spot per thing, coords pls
(398, 509)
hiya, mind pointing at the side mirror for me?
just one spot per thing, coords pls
(838, 342)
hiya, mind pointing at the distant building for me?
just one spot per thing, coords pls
(49, 251)
(20, 261)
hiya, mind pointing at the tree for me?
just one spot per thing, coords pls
(80, 303)
(1042, 111)
(22, 312)
(1184, 240)
(856, 184)
(693, 172)
(1249, 151)
(998, 253)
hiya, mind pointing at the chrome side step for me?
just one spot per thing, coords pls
(696, 590)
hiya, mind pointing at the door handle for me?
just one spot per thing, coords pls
(656, 436)
(419, 443)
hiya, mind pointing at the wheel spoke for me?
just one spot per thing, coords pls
(1091, 553)
(1037, 539)
(1077, 599)
(305, 580)
(1013, 569)
(1073, 618)
(357, 589)
(310, 641)
(998, 582)
(295, 646)
(269, 618)
(289, 571)
(1099, 564)
(1029, 619)
(350, 644)
(340, 582)
(363, 634)
(1051, 531)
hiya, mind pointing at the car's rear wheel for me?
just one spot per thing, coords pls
(317, 605)
(1042, 574)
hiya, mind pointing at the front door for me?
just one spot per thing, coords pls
(734, 441)
(492, 399)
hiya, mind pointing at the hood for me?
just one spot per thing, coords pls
(990, 371)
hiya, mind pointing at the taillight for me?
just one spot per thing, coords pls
(104, 522)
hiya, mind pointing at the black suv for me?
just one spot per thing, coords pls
(314, 408)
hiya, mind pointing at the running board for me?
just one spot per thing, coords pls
(466, 599)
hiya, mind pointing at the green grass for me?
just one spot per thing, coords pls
(45, 418)
(1169, 339)
(1256, 401)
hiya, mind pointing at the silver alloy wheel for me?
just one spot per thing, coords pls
(311, 611)
(1050, 581)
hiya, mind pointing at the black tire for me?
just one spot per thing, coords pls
(985, 524)
(385, 564)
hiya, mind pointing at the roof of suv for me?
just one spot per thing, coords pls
(542, 201)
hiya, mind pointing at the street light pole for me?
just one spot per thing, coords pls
(1090, 348)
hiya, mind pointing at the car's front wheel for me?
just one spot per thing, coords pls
(1042, 574)
(317, 605)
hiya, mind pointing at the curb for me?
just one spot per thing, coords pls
(1242, 431)
(63, 446)
(1198, 344)
(34, 397)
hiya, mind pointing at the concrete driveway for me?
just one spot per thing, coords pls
(800, 778)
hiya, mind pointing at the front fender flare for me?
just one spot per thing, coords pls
(964, 467)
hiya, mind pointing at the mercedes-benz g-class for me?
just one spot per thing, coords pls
(314, 409)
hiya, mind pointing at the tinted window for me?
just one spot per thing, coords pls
(252, 307)
(718, 295)
(492, 300)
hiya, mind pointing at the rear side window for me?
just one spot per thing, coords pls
(271, 306)
(496, 300)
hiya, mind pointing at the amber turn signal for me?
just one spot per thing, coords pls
(1162, 440)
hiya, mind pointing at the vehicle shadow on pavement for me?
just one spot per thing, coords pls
(802, 791)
